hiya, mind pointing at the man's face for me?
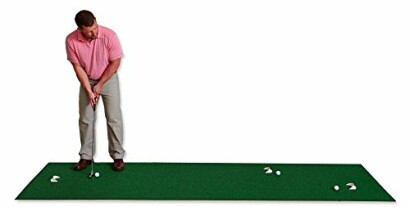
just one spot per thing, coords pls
(90, 33)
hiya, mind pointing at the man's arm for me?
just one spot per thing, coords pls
(83, 78)
(108, 73)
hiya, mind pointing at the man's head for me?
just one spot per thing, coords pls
(87, 24)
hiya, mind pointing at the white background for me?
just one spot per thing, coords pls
(215, 81)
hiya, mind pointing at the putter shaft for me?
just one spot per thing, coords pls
(92, 147)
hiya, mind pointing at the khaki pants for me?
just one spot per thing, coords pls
(110, 96)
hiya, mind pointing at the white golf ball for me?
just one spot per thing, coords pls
(336, 187)
(278, 172)
(97, 174)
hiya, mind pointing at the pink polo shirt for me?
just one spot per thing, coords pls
(93, 56)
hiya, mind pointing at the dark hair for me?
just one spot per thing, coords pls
(84, 18)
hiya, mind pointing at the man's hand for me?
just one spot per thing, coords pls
(97, 90)
(93, 99)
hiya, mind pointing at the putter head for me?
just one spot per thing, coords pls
(91, 175)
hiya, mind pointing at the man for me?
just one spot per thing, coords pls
(95, 53)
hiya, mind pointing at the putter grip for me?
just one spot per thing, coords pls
(95, 104)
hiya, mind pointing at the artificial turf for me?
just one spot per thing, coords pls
(206, 181)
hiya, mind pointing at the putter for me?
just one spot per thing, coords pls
(92, 147)
(92, 170)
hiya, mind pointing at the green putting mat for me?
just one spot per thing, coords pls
(207, 181)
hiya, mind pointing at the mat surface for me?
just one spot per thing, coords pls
(207, 181)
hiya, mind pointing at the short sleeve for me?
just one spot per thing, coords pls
(114, 48)
(71, 54)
